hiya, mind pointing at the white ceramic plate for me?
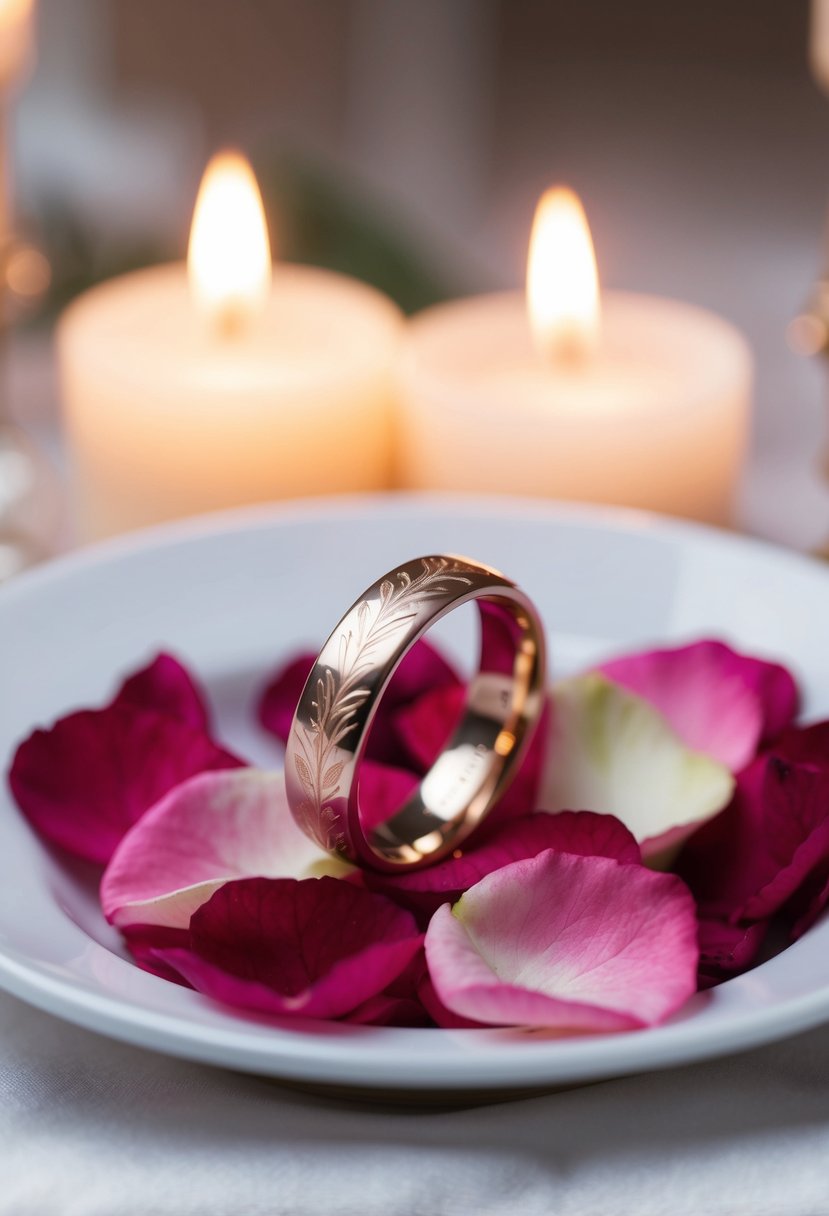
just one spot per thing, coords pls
(233, 595)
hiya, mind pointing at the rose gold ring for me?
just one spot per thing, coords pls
(335, 711)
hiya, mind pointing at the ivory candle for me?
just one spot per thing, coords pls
(631, 399)
(186, 396)
(16, 39)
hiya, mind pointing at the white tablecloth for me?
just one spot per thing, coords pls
(92, 1128)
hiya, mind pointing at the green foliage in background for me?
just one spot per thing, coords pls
(317, 220)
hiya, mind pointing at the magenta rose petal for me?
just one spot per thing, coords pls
(167, 687)
(207, 831)
(318, 948)
(579, 832)
(569, 943)
(83, 783)
(425, 724)
(717, 701)
(383, 790)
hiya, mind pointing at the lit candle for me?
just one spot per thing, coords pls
(189, 391)
(618, 398)
(16, 39)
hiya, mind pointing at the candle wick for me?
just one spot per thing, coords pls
(230, 320)
(569, 348)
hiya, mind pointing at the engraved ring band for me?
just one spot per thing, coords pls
(334, 714)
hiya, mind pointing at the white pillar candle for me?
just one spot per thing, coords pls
(16, 39)
(248, 392)
(645, 406)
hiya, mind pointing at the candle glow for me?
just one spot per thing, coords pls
(562, 280)
(229, 257)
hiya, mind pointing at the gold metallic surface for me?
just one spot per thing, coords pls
(355, 666)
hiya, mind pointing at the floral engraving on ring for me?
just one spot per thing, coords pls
(340, 695)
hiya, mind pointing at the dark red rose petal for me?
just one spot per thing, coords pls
(727, 950)
(772, 841)
(384, 1010)
(86, 781)
(317, 948)
(144, 942)
(167, 687)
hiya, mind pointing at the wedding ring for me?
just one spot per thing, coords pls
(333, 718)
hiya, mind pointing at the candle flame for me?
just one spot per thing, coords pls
(229, 257)
(562, 279)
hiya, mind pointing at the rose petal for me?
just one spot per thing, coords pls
(385, 1010)
(726, 950)
(209, 830)
(810, 901)
(166, 686)
(579, 832)
(399, 1000)
(145, 941)
(425, 724)
(612, 752)
(717, 701)
(383, 791)
(423, 669)
(440, 1015)
(566, 942)
(772, 839)
(278, 701)
(319, 948)
(86, 781)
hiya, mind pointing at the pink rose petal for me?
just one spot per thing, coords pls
(716, 700)
(423, 670)
(166, 687)
(566, 942)
(582, 833)
(86, 781)
(319, 948)
(613, 752)
(205, 832)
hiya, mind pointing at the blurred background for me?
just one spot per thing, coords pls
(407, 141)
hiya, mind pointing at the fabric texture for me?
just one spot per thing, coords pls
(89, 1127)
